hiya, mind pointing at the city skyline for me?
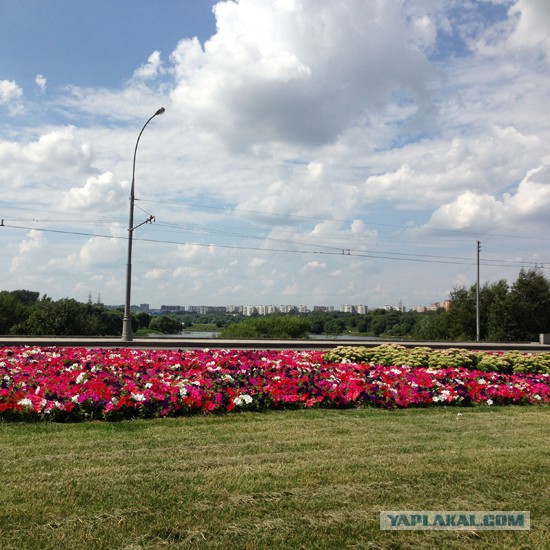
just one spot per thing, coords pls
(268, 309)
(310, 152)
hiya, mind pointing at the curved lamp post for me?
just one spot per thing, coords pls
(127, 335)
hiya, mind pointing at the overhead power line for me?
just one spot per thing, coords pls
(336, 252)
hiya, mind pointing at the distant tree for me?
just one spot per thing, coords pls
(529, 306)
(335, 326)
(65, 317)
(383, 321)
(363, 323)
(26, 297)
(317, 322)
(495, 307)
(165, 324)
(517, 313)
(273, 326)
(432, 325)
(143, 318)
(14, 309)
(110, 322)
(462, 314)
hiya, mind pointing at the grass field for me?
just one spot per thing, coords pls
(293, 479)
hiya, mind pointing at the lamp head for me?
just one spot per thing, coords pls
(160, 111)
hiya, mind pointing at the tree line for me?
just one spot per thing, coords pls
(508, 313)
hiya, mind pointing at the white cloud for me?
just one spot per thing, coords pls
(101, 252)
(100, 193)
(432, 172)
(153, 68)
(532, 25)
(314, 265)
(156, 274)
(28, 249)
(11, 95)
(256, 262)
(41, 82)
(58, 148)
(523, 210)
(296, 72)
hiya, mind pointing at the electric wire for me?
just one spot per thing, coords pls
(339, 252)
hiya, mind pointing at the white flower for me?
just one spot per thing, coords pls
(242, 400)
(138, 396)
(81, 378)
(25, 402)
(489, 401)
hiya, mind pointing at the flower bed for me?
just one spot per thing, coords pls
(72, 384)
(398, 355)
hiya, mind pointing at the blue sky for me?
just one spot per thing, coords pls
(316, 153)
(93, 43)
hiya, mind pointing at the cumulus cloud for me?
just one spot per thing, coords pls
(11, 95)
(57, 148)
(153, 68)
(99, 252)
(434, 171)
(518, 212)
(296, 71)
(101, 193)
(522, 34)
(532, 25)
(28, 253)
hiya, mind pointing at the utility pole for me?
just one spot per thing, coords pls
(127, 335)
(477, 293)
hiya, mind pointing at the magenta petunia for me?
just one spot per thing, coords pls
(72, 384)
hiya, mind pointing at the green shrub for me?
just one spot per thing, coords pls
(453, 357)
(491, 362)
(397, 355)
(349, 354)
(529, 362)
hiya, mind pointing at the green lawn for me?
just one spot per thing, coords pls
(294, 479)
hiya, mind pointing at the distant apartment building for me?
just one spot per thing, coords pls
(323, 308)
(203, 310)
(446, 304)
(267, 310)
(348, 308)
(171, 309)
(250, 310)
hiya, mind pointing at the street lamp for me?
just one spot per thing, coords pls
(127, 335)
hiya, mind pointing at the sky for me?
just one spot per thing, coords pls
(312, 152)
